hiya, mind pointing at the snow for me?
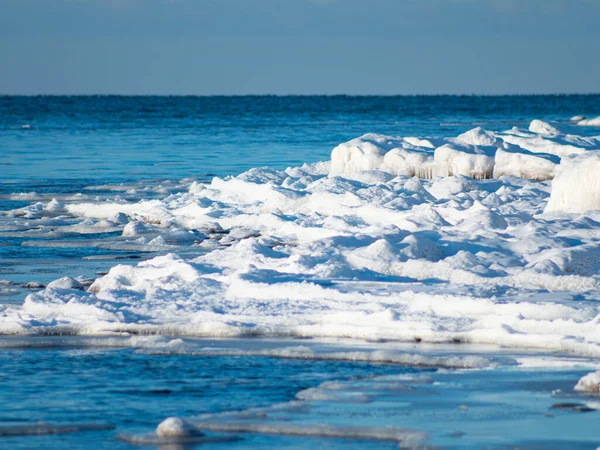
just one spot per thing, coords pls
(363, 247)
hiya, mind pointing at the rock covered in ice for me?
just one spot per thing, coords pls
(134, 228)
(576, 188)
(65, 283)
(589, 383)
(175, 427)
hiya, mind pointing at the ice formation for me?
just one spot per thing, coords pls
(532, 154)
(413, 239)
(175, 427)
(576, 188)
(589, 383)
(594, 122)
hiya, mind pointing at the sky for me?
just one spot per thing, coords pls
(208, 47)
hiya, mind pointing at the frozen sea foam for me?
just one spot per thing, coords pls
(358, 247)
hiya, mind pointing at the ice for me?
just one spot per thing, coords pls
(524, 164)
(65, 283)
(352, 248)
(43, 428)
(478, 153)
(589, 383)
(406, 438)
(469, 160)
(576, 188)
(594, 122)
(134, 229)
(175, 427)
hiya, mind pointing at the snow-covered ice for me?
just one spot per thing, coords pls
(414, 239)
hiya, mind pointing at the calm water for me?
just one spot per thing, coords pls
(60, 146)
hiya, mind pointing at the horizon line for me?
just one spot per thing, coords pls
(554, 94)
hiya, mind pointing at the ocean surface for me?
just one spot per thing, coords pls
(112, 390)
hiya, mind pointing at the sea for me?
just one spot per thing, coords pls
(112, 391)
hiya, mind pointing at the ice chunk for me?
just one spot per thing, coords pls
(541, 127)
(395, 155)
(357, 155)
(175, 427)
(521, 163)
(399, 161)
(589, 383)
(595, 122)
(576, 188)
(479, 137)
(469, 160)
(65, 283)
(134, 229)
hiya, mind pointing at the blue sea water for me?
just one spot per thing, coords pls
(61, 146)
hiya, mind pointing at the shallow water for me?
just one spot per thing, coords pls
(127, 386)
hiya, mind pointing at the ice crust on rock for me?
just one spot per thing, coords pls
(363, 255)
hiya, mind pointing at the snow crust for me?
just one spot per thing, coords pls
(371, 245)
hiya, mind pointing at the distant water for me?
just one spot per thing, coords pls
(61, 144)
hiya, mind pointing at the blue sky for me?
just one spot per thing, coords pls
(299, 46)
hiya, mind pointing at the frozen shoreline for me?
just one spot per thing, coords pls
(347, 250)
